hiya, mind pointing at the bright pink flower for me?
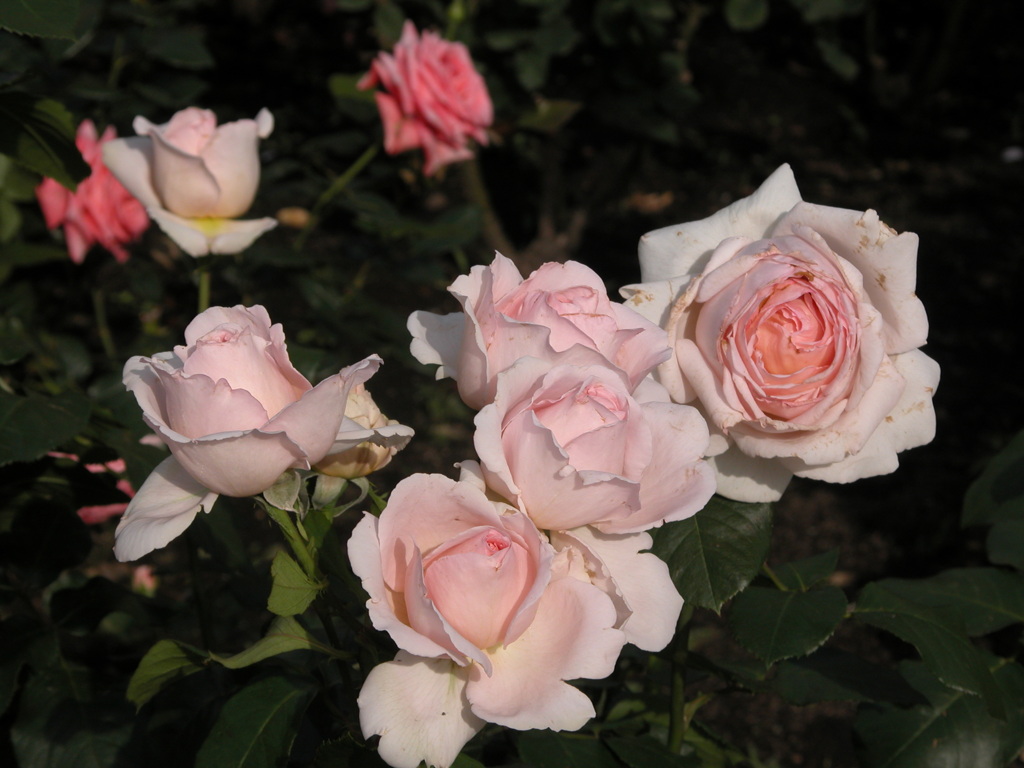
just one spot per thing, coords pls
(560, 313)
(433, 98)
(490, 621)
(101, 211)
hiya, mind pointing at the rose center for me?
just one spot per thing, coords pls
(791, 337)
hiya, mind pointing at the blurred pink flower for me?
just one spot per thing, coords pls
(101, 211)
(98, 513)
(433, 98)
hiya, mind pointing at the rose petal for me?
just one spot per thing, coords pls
(161, 510)
(640, 580)
(419, 709)
(130, 161)
(683, 249)
(201, 237)
(570, 637)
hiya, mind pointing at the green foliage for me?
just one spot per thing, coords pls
(39, 134)
(257, 726)
(293, 591)
(997, 496)
(829, 674)
(776, 625)
(715, 554)
(953, 729)
(939, 636)
(30, 426)
(42, 18)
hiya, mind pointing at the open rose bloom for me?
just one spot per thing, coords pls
(100, 211)
(432, 99)
(560, 312)
(796, 330)
(571, 446)
(235, 414)
(195, 177)
(489, 619)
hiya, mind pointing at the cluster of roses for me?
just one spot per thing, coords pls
(530, 569)
(792, 328)
(772, 339)
(195, 178)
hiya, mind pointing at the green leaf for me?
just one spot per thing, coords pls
(939, 637)
(257, 725)
(550, 115)
(67, 717)
(1005, 544)
(646, 752)
(745, 15)
(285, 634)
(998, 494)
(163, 664)
(952, 731)
(987, 599)
(21, 254)
(829, 674)
(804, 574)
(714, 554)
(40, 135)
(547, 749)
(292, 591)
(775, 625)
(41, 18)
(176, 46)
(31, 426)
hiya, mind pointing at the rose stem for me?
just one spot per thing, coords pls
(205, 628)
(204, 286)
(333, 191)
(476, 191)
(678, 722)
(99, 308)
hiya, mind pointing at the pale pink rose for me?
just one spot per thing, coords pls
(195, 177)
(100, 211)
(489, 619)
(646, 602)
(235, 414)
(433, 98)
(571, 446)
(797, 336)
(561, 312)
(385, 437)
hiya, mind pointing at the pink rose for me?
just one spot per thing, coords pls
(235, 414)
(489, 620)
(100, 211)
(95, 514)
(433, 98)
(797, 335)
(195, 177)
(561, 312)
(571, 446)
